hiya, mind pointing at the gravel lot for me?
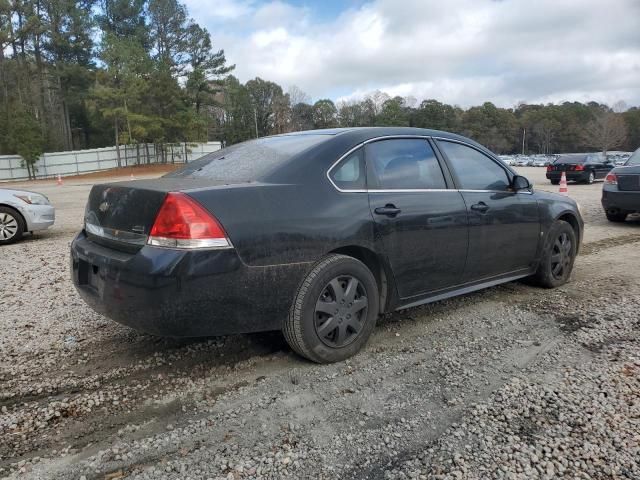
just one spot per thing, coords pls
(510, 382)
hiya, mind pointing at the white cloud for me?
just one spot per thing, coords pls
(463, 52)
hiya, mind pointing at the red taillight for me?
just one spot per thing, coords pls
(579, 167)
(549, 168)
(611, 179)
(184, 223)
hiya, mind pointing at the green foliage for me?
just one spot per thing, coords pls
(393, 113)
(325, 114)
(24, 137)
(152, 75)
(264, 96)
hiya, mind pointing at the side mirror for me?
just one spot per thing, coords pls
(520, 183)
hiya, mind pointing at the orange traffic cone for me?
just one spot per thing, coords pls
(131, 178)
(563, 185)
(59, 180)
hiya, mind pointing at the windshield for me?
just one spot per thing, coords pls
(634, 159)
(572, 159)
(248, 161)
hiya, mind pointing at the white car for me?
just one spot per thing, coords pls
(22, 211)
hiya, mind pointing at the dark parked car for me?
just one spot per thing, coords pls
(584, 168)
(621, 190)
(316, 233)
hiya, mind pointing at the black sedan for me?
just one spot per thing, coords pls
(581, 168)
(621, 190)
(315, 234)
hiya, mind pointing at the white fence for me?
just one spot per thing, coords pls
(86, 161)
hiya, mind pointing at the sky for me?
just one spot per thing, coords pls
(461, 52)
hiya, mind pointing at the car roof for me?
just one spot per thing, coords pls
(374, 132)
(362, 134)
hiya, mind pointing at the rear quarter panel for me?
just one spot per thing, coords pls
(273, 224)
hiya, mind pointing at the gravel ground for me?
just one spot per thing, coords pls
(511, 382)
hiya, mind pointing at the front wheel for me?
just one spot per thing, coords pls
(11, 225)
(334, 311)
(558, 256)
(555, 182)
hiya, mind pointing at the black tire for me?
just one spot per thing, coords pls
(591, 178)
(556, 253)
(616, 217)
(555, 182)
(11, 225)
(347, 329)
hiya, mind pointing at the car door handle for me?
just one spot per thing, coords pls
(389, 210)
(480, 207)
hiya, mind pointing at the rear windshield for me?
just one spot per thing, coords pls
(634, 159)
(572, 159)
(248, 161)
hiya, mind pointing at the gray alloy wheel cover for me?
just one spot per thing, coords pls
(8, 226)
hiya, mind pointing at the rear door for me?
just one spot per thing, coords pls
(504, 226)
(420, 222)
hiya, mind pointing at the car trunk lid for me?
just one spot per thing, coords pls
(120, 215)
(628, 178)
(566, 167)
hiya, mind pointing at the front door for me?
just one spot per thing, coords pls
(420, 222)
(504, 226)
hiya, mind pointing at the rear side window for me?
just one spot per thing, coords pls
(349, 174)
(475, 170)
(249, 161)
(634, 159)
(404, 164)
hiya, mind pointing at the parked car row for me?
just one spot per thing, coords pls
(621, 190)
(527, 161)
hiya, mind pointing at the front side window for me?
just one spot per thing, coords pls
(404, 163)
(349, 174)
(475, 170)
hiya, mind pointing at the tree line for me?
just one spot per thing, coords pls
(260, 108)
(91, 73)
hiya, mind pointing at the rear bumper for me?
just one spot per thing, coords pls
(183, 293)
(615, 200)
(582, 176)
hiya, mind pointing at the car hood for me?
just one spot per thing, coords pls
(11, 191)
(8, 195)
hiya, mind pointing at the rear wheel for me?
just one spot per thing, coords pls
(617, 217)
(11, 225)
(558, 256)
(591, 178)
(334, 311)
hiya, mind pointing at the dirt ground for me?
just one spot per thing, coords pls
(511, 382)
(138, 171)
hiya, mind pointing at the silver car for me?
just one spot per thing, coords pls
(23, 211)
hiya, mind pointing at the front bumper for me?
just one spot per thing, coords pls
(615, 200)
(38, 217)
(178, 293)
